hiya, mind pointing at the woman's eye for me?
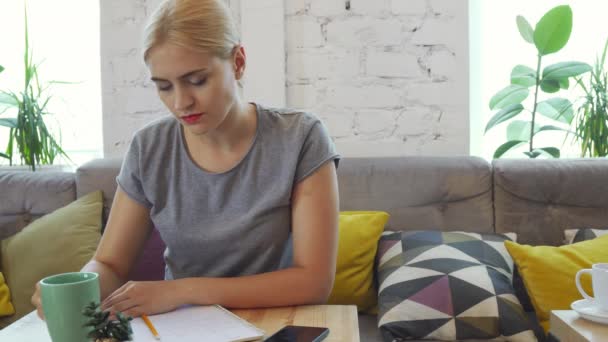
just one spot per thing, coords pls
(198, 81)
(163, 87)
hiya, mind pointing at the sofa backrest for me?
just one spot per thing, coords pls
(25, 197)
(420, 192)
(446, 193)
(539, 199)
(99, 174)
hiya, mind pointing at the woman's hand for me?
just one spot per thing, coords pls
(37, 302)
(143, 297)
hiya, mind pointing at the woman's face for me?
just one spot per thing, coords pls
(199, 89)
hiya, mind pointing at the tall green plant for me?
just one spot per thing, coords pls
(550, 35)
(28, 133)
(2, 155)
(592, 113)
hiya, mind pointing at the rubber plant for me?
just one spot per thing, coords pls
(592, 113)
(28, 133)
(550, 35)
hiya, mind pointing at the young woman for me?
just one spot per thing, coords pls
(225, 182)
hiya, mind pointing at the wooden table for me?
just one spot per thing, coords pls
(341, 320)
(567, 326)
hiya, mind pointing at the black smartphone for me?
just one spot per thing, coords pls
(294, 333)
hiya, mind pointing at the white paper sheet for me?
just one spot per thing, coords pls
(196, 323)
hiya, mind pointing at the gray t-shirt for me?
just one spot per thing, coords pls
(224, 224)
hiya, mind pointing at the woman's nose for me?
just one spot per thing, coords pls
(183, 100)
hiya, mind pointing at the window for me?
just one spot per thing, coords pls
(496, 47)
(64, 36)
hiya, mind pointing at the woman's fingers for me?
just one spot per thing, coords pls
(36, 301)
(133, 312)
(116, 297)
(122, 306)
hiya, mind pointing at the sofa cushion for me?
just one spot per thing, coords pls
(582, 234)
(548, 272)
(150, 265)
(540, 198)
(448, 286)
(62, 241)
(6, 307)
(359, 232)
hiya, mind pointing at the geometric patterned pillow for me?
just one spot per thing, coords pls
(583, 234)
(448, 286)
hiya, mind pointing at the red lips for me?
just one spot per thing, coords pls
(192, 118)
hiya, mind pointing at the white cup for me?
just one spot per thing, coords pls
(599, 275)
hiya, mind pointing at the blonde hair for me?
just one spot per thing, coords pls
(202, 25)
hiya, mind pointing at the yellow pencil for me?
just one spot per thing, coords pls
(151, 326)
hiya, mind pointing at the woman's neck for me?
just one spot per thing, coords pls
(238, 127)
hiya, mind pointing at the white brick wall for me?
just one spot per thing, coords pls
(388, 77)
(409, 7)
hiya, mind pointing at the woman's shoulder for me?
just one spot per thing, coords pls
(288, 118)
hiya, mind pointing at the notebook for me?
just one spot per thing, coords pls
(210, 323)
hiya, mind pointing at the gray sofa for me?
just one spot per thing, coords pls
(537, 199)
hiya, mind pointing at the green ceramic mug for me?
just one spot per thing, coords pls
(64, 296)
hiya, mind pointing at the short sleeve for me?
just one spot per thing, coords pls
(317, 149)
(130, 177)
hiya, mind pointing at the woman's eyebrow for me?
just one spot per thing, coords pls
(186, 75)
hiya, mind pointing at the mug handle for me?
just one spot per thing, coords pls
(578, 283)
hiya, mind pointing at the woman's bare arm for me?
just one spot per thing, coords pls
(126, 232)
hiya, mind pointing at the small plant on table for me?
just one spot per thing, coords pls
(105, 329)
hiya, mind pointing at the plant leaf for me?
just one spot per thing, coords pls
(509, 95)
(1, 68)
(519, 130)
(502, 149)
(565, 69)
(557, 108)
(535, 153)
(523, 76)
(4, 156)
(504, 114)
(564, 83)
(549, 128)
(8, 99)
(525, 29)
(552, 151)
(553, 30)
(549, 86)
(8, 122)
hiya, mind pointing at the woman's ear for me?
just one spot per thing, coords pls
(239, 62)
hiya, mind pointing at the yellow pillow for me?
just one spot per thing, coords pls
(6, 307)
(62, 241)
(548, 272)
(357, 244)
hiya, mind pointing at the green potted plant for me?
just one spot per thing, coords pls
(103, 328)
(2, 155)
(550, 35)
(592, 113)
(29, 135)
